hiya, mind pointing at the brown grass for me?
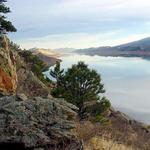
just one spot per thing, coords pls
(95, 138)
(98, 143)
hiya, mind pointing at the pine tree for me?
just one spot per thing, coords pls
(79, 84)
(5, 25)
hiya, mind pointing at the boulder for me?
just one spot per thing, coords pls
(38, 123)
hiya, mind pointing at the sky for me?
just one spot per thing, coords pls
(78, 23)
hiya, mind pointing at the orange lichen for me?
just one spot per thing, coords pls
(8, 84)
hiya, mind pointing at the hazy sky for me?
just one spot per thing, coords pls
(79, 23)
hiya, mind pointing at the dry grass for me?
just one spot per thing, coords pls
(95, 138)
(98, 143)
(85, 130)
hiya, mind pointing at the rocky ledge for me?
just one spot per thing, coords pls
(37, 123)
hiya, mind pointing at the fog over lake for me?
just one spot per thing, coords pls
(126, 80)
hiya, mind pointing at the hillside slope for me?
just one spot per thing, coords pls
(139, 48)
(120, 131)
(47, 55)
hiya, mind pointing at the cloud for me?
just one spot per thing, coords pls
(40, 13)
(93, 10)
(36, 19)
(78, 40)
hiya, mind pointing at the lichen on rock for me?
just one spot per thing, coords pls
(8, 76)
(37, 122)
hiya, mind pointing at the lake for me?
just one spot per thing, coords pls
(126, 80)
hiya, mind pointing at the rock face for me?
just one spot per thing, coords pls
(15, 76)
(30, 118)
(8, 76)
(38, 123)
(29, 84)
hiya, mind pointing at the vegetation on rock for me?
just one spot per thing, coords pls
(36, 64)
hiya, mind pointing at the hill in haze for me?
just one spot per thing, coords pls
(139, 48)
(65, 50)
(49, 56)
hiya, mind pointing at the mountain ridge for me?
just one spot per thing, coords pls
(138, 42)
(140, 48)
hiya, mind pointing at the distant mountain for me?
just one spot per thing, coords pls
(139, 48)
(58, 51)
(143, 44)
(65, 50)
(49, 56)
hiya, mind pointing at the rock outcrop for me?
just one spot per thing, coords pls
(30, 118)
(38, 123)
(15, 75)
(29, 84)
(8, 76)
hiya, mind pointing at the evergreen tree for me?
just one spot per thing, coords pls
(79, 84)
(5, 25)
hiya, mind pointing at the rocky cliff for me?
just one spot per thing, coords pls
(8, 76)
(29, 117)
(29, 84)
